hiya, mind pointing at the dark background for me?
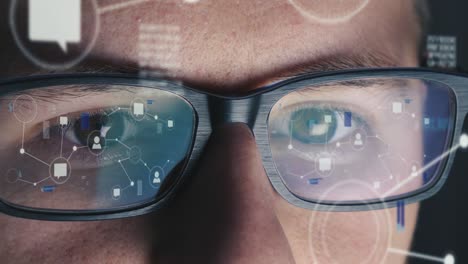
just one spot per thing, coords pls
(441, 224)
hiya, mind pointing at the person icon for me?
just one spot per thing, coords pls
(358, 139)
(97, 143)
(156, 178)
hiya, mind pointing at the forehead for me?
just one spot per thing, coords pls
(243, 44)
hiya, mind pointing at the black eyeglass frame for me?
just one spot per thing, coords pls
(239, 110)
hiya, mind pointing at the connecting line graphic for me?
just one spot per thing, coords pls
(149, 169)
(303, 175)
(33, 183)
(22, 151)
(120, 161)
(121, 143)
(74, 150)
(414, 175)
(22, 139)
(147, 114)
(463, 143)
(61, 143)
(117, 109)
(448, 259)
(146, 165)
(126, 173)
(384, 165)
(156, 117)
(121, 5)
(164, 166)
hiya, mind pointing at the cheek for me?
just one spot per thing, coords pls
(115, 241)
(359, 237)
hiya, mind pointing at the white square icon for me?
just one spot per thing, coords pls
(427, 121)
(328, 119)
(116, 192)
(397, 107)
(138, 109)
(63, 121)
(170, 123)
(60, 170)
(325, 164)
(55, 21)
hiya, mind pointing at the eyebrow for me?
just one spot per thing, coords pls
(335, 62)
(339, 62)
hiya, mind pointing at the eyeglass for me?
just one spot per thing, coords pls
(89, 147)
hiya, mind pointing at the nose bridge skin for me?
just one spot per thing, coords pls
(225, 213)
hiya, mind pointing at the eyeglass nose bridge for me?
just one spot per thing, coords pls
(233, 110)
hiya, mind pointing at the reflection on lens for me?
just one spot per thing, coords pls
(382, 132)
(92, 147)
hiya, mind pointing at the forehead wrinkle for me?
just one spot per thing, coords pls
(238, 46)
(282, 40)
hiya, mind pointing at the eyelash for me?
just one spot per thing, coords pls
(284, 121)
(129, 125)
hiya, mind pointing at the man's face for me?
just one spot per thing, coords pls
(228, 212)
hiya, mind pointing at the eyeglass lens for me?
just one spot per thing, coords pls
(90, 147)
(361, 140)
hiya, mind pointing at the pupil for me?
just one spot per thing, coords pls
(87, 123)
(313, 126)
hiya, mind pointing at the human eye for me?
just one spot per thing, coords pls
(89, 149)
(310, 131)
(317, 123)
(103, 127)
(368, 138)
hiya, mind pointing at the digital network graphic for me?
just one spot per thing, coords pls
(327, 153)
(58, 169)
(61, 24)
(330, 11)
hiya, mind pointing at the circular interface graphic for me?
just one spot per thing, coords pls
(359, 139)
(329, 11)
(134, 154)
(137, 109)
(12, 175)
(40, 30)
(24, 108)
(60, 170)
(156, 175)
(96, 143)
(373, 228)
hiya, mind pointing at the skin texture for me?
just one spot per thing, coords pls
(228, 212)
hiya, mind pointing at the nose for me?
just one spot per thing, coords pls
(225, 213)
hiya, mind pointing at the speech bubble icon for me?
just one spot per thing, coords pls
(60, 170)
(55, 21)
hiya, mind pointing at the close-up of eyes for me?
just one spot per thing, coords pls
(203, 131)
